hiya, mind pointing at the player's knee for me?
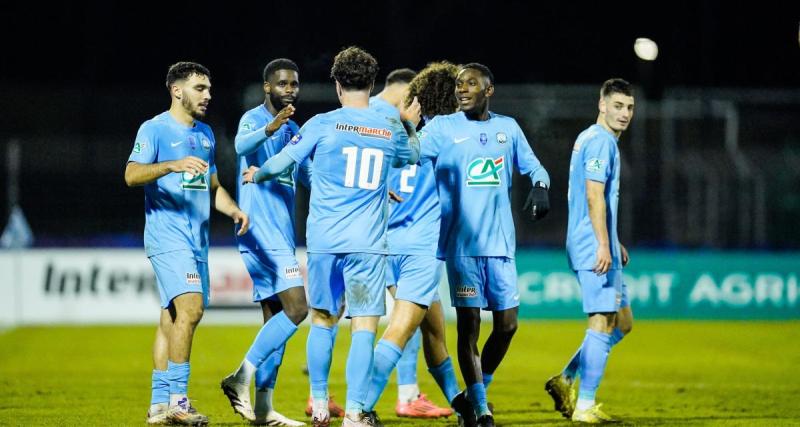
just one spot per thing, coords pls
(507, 329)
(626, 328)
(296, 313)
(191, 314)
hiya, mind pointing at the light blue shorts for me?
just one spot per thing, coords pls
(602, 293)
(416, 277)
(178, 273)
(358, 278)
(483, 282)
(272, 271)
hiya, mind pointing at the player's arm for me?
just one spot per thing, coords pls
(137, 174)
(625, 257)
(304, 173)
(247, 140)
(408, 150)
(595, 197)
(410, 118)
(537, 204)
(224, 203)
(275, 166)
(430, 139)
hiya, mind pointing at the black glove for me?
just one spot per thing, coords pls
(538, 201)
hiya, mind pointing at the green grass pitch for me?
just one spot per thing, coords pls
(664, 373)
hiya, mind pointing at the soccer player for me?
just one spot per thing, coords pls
(268, 249)
(411, 402)
(474, 152)
(354, 147)
(173, 158)
(595, 253)
(412, 263)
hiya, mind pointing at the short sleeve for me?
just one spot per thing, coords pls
(303, 143)
(145, 148)
(597, 158)
(430, 140)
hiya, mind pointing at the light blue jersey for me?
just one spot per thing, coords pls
(413, 223)
(176, 205)
(473, 162)
(595, 156)
(353, 150)
(269, 204)
(384, 107)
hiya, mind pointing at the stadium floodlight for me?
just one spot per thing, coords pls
(646, 49)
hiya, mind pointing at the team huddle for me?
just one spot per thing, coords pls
(403, 185)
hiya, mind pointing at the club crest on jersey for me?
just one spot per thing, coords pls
(192, 278)
(485, 171)
(206, 144)
(466, 291)
(501, 137)
(364, 130)
(484, 139)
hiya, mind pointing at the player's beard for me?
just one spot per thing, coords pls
(278, 103)
(193, 111)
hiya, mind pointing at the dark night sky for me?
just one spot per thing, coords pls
(701, 43)
(78, 80)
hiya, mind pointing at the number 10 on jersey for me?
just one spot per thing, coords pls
(369, 174)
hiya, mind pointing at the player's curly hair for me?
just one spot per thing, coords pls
(184, 70)
(354, 68)
(435, 88)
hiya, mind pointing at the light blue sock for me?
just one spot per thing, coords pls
(487, 379)
(272, 335)
(594, 355)
(178, 376)
(319, 350)
(386, 356)
(477, 396)
(267, 372)
(445, 376)
(359, 370)
(571, 370)
(407, 365)
(160, 387)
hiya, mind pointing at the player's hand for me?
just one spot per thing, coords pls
(248, 176)
(394, 196)
(193, 165)
(603, 260)
(241, 218)
(538, 202)
(625, 258)
(411, 112)
(280, 119)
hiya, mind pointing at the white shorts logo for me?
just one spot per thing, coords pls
(192, 278)
(292, 272)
